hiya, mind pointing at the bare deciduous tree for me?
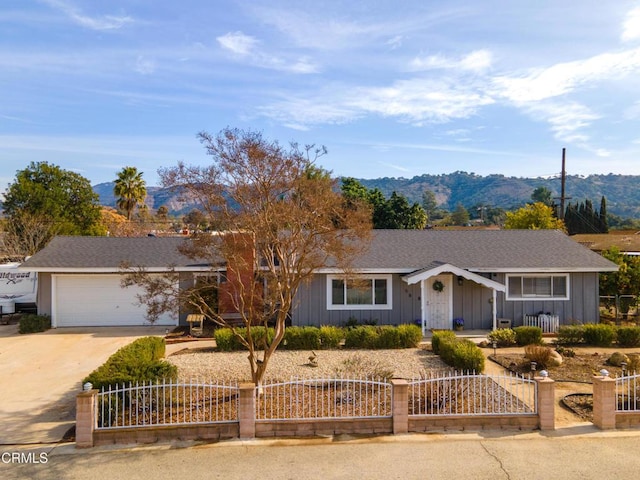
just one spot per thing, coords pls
(279, 218)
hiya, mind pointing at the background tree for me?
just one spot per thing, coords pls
(58, 201)
(625, 282)
(130, 190)
(392, 213)
(604, 223)
(542, 195)
(282, 219)
(583, 218)
(460, 216)
(536, 216)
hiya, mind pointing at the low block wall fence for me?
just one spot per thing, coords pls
(616, 401)
(212, 411)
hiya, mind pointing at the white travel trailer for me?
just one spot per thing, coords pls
(16, 286)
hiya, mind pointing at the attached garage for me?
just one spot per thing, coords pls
(98, 300)
(79, 278)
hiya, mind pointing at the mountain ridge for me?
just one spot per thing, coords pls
(495, 190)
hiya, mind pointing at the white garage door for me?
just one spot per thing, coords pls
(98, 300)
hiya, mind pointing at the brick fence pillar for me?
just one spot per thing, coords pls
(86, 420)
(546, 403)
(400, 405)
(604, 402)
(247, 410)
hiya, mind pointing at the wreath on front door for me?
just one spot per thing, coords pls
(438, 286)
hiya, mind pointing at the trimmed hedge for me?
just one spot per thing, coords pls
(331, 336)
(528, 336)
(629, 336)
(140, 361)
(461, 354)
(314, 338)
(440, 336)
(599, 335)
(31, 323)
(570, 335)
(504, 337)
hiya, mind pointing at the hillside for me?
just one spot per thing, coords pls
(621, 191)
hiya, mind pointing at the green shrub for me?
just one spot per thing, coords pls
(361, 337)
(440, 336)
(528, 335)
(410, 335)
(599, 335)
(504, 337)
(629, 336)
(301, 338)
(387, 337)
(31, 323)
(140, 361)
(463, 355)
(570, 335)
(226, 341)
(330, 336)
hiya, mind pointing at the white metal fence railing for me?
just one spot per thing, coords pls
(628, 393)
(471, 394)
(166, 403)
(324, 398)
(547, 322)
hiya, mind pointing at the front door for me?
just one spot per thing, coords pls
(438, 302)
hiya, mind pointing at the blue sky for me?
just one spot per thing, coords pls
(391, 88)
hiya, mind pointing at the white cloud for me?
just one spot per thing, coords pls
(237, 42)
(566, 119)
(104, 22)
(245, 46)
(476, 61)
(563, 78)
(420, 100)
(631, 26)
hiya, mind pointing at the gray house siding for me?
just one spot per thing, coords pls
(311, 306)
(470, 301)
(582, 306)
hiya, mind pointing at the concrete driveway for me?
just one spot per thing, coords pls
(41, 373)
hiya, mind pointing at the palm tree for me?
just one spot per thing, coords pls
(130, 190)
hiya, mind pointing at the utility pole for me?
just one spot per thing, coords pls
(563, 179)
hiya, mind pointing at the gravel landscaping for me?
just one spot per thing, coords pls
(208, 364)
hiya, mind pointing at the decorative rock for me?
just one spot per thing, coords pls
(617, 358)
(556, 359)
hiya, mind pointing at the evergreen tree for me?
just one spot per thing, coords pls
(604, 225)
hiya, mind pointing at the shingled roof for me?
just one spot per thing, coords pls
(108, 254)
(401, 251)
(480, 251)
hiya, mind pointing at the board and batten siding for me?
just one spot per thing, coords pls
(582, 306)
(310, 307)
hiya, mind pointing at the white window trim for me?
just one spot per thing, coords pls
(538, 297)
(387, 306)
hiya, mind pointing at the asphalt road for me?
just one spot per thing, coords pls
(584, 454)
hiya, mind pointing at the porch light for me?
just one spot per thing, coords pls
(460, 281)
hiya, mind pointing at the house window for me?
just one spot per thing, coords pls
(359, 293)
(537, 287)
